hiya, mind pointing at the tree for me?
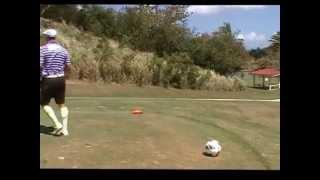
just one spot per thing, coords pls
(257, 53)
(151, 28)
(274, 50)
(59, 12)
(199, 51)
(269, 56)
(95, 19)
(275, 40)
(221, 51)
(43, 9)
(170, 33)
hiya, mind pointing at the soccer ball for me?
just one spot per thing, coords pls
(212, 148)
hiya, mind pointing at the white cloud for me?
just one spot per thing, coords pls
(246, 7)
(253, 39)
(204, 9)
(240, 36)
(252, 36)
(214, 9)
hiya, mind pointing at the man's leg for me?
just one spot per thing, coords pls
(64, 115)
(60, 101)
(52, 116)
(45, 97)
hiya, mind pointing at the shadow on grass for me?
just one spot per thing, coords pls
(209, 155)
(258, 87)
(46, 130)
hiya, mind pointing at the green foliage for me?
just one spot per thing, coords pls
(98, 20)
(228, 55)
(175, 70)
(149, 28)
(178, 71)
(257, 53)
(271, 54)
(60, 13)
(180, 60)
(275, 40)
(221, 51)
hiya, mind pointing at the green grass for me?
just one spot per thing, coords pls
(170, 134)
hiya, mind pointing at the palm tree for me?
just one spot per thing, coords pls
(275, 40)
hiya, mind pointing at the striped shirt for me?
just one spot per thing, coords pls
(53, 58)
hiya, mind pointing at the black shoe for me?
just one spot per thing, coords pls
(57, 132)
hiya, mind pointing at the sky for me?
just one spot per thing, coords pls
(255, 23)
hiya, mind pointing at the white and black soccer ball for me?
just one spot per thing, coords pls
(212, 148)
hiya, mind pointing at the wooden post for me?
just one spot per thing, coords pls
(269, 79)
(254, 80)
(263, 82)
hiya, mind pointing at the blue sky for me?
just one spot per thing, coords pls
(255, 23)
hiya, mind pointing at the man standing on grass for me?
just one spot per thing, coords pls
(54, 63)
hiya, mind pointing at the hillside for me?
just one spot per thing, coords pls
(105, 60)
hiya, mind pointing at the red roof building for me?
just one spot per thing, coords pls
(267, 72)
(267, 75)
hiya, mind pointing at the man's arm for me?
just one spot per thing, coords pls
(67, 70)
(67, 67)
(41, 62)
(41, 57)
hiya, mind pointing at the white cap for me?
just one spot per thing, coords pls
(50, 32)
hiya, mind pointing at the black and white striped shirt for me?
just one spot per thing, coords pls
(53, 58)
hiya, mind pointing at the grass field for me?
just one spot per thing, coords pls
(170, 133)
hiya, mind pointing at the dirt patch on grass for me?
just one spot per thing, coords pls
(83, 88)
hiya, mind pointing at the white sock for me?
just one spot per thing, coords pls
(52, 116)
(64, 114)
